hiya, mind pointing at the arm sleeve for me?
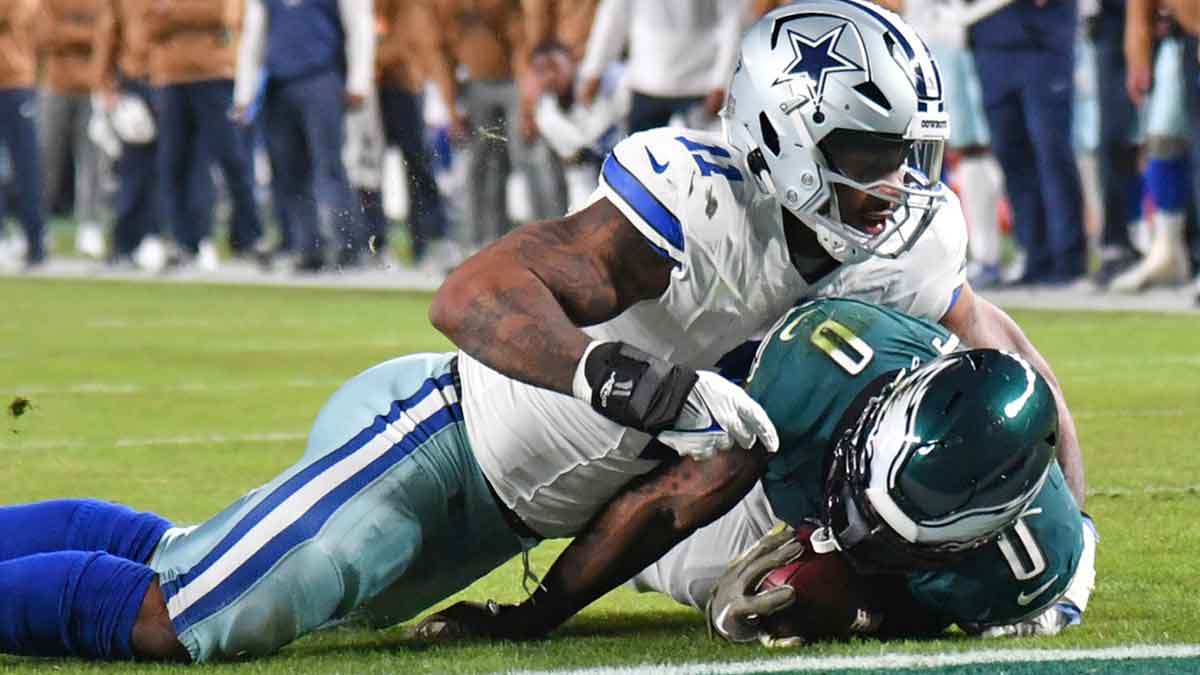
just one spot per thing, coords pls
(358, 20)
(250, 53)
(609, 30)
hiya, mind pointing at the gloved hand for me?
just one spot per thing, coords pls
(735, 605)
(694, 413)
(1049, 622)
(718, 415)
(473, 620)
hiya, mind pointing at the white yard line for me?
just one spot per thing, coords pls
(164, 441)
(212, 439)
(1085, 414)
(115, 388)
(894, 661)
(1131, 362)
(151, 323)
(1143, 490)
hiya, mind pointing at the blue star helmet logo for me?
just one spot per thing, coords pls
(816, 59)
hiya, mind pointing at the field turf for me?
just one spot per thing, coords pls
(179, 398)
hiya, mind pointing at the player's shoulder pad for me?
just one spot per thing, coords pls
(666, 180)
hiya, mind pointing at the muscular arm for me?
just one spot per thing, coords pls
(517, 305)
(639, 526)
(981, 324)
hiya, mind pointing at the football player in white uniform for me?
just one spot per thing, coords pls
(584, 338)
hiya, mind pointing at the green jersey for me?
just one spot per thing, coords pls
(809, 370)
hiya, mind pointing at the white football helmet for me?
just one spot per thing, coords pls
(842, 92)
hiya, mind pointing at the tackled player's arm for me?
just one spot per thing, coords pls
(640, 525)
(982, 324)
(517, 305)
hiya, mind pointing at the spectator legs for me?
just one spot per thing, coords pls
(404, 127)
(187, 192)
(305, 131)
(1049, 102)
(489, 169)
(291, 177)
(1117, 152)
(1028, 107)
(319, 100)
(138, 204)
(540, 166)
(1191, 78)
(54, 136)
(91, 166)
(20, 135)
(1013, 150)
(225, 142)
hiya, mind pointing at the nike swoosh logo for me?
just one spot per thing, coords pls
(658, 168)
(1024, 599)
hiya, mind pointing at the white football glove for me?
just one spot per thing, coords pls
(1049, 622)
(718, 415)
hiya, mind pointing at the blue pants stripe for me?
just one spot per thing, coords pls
(310, 523)
(289, 487)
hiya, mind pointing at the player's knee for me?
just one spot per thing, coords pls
(153, 633)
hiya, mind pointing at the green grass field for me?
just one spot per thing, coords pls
(178, 398)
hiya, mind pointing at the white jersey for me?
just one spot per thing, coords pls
(552, 459)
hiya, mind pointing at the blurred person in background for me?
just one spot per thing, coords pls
(18, 130)
(120, 74)
(581, 135)
(317, 57)
(1164, 77)
(556, 37)
(1024, 55)
(977, 178)
(483, 39)
(64, 33)
(411, 52)
(1118, 148)
(681, 55)
(193, 54)
(363, 156)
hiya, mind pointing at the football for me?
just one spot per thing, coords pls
(832, 600)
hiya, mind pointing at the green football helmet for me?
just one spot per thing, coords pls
(940, 461)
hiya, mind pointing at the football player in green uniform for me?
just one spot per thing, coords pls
(917, 473)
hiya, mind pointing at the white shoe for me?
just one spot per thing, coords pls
(151, 254)
(207, 258)
(89, 240)
(1167, 262)
(1141, 236)
(1015, 270)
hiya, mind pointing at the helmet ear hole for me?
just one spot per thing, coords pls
(769, 135)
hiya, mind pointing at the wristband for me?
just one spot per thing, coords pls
(631, 387)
